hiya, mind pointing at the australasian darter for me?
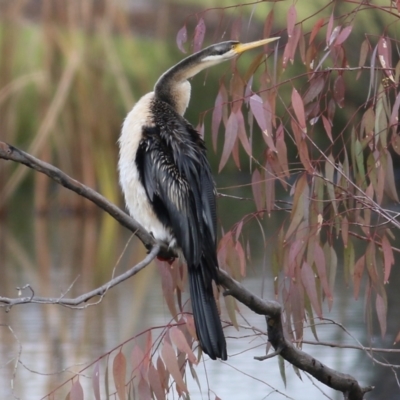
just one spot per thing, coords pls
(168, 185)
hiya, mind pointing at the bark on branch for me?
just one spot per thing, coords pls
(272, 310)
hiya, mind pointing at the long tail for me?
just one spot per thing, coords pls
(205, 313)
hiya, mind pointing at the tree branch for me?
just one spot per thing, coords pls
(285, 348)
(271, 309)
(76, 301)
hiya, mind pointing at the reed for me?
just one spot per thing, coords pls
(69, 72)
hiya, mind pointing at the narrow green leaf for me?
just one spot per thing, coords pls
(381, 311)
(348, 261)
(359, 156)
(329, 172)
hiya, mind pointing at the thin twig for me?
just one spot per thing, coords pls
(76, 301)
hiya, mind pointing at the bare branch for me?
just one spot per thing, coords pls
(74, 302)
(344, 383)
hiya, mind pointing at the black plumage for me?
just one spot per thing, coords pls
(173, 168)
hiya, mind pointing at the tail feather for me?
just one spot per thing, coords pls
(206, 318)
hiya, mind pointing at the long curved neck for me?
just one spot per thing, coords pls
(173, 86)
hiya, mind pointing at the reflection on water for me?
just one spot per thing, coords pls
(57, 254)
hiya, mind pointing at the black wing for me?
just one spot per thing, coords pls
(176, 174)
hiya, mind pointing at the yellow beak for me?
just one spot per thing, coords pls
(241, 47)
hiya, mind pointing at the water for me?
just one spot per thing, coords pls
(51, 343)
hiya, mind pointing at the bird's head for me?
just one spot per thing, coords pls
(224, 51)
(173, 86)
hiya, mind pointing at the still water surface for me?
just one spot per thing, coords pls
(52, 342)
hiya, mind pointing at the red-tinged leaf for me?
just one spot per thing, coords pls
(267, 133)
(298, 107)
(387, 256)
(343, 35)
(363, 55)
(308, 280)
(237, 88)
(316, 28)
(242, 133)
(155, 383)
(304, 156)
(329, 30)
(268, 24)
(147, 351)
(282, 151)
(167, 287)
(297, 33)
(385, 56)
(242, 258)
(320, 263)
(358, 273)
(231, 133)
(163, 374)
(235, 154)
(199, 32)
(137, 360)
(257, 108)
(181, 38)
(269, 188)
(236, 28)
(144, 390)
(291, 20)
(301, 201)
(296, 253)
(287, 52)
(257, 185)
(191, 326)
(291, 45)
(179, 339)
(238, 230)
(338, 91)
(316, 86)
(119, 374)
(327, 127)
(171, 363)
(76, 392)
(217, 114)
(96, 380)
(302, 45)
(381, 311)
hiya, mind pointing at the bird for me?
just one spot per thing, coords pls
(168, 186)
